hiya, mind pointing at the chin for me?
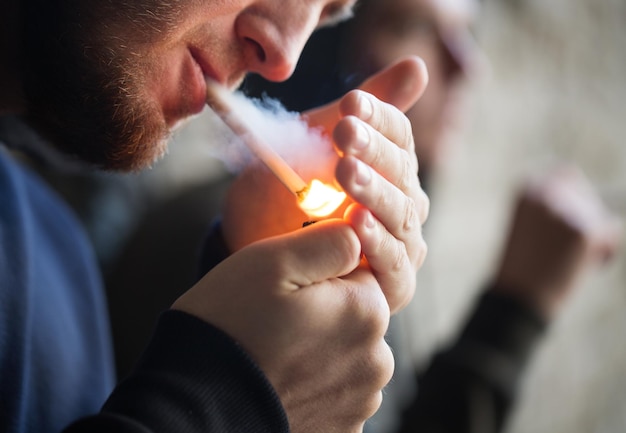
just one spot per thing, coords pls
(104, 142)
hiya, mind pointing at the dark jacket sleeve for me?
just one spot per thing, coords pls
(470, 386)
(191, 378)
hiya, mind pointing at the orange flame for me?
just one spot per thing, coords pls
(320, 199)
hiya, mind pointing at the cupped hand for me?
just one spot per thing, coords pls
(311, 317)
(560, 230)
(376, 167)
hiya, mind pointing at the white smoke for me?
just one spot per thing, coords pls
(307, 150)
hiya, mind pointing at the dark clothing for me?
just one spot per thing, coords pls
(471, 386)
(55, 348)
(192, 378)
(56, 362)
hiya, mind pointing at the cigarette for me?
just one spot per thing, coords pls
(217, 99)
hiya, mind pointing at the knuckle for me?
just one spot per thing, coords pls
(363, 407)
(385, 361)
(416, 211)
(372, 404)
(370, 373)
(410, 215)
(399, 259)
(378, 322)
(380, 365)
(385, 201)
(387, 120)
(399, 286)
(395, 253)
(408, 141)
(379, 371)
(372, 314)
(408, 174)
(403, 294)
(377, 155)
(375, 403)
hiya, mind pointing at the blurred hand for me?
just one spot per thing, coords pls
(376, 167)
(560, 230)
(311, 317)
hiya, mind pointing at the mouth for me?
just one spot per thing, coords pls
(201, 71)
(186, 96)
(180, 89)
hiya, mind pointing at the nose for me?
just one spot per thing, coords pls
(271, 45)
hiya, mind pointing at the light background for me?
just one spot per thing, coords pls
(556, 91)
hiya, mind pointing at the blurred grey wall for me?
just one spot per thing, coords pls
(556, 91)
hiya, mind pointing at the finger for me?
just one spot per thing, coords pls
(401, 214)
(398, 165)
(382, 117)
(387, 257)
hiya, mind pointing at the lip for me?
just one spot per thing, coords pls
(202, 70)
(198, 69)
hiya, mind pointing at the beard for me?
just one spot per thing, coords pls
(83, 85)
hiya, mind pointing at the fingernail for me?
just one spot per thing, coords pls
(362, 138)
(369, 220)
(363, 173)
(365, 106)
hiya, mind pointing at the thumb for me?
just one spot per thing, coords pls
(318, 252)
(400, 84)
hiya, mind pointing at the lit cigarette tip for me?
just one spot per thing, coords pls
(316, 199)
(217, 99)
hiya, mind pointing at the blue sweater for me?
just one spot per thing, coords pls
(56, 363)
(55, 349)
